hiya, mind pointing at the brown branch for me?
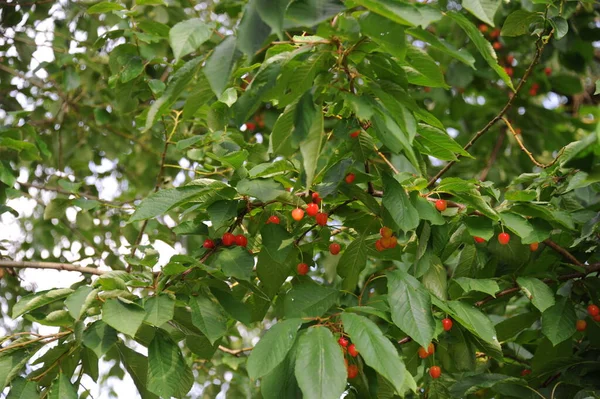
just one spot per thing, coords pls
(540, 44)
(234, 352)
(50, 265)
(385, 159)
(493, 156)
(50, 338)
(526, 151)
(66, 192)
(566, 254)
(370, 188)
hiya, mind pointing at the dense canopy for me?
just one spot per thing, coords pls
(300, 198)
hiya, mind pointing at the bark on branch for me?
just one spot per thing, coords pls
(51, 266)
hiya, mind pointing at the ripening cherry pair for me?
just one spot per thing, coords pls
(594, 312)
(228, 240)
(387, 240)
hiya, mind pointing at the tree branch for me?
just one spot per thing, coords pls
(234, 352)
(50, 265)
(526, 151)
(566, 254)
(540, 44)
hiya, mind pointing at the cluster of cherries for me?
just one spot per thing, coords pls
(434, 371)
(312, 210)
(228, 240)
(387, 240)
(594, 312)
(351, 350)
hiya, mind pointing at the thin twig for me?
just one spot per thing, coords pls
(566, 254)
(540, 44)
(50, 265)
(234, 352)
(493, 156)
(526, 151)
(385, 159)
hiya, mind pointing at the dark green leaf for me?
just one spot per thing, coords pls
(208, 317)
(185, 37)
(558, 321)
(124, 316)
(168, 373)
(309, 300)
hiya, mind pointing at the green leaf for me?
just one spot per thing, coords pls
(302, 77)
(597, 87)
(272, 348)
(124, 316)
(220, 64)
(460, 54)
(23, 389)
(281, 382)
(437, 143)
(320, 367)
(423, 70)
(159, 310)
(185, 37)
(469, 385)
(401, 12)
(558, 321)
(280, 141)
(99, 337)
(236, 262)
(426, 210)
(34, 301)
(309, 299)
(277, 242)
(56, 208)
(273, 13)
(252, 31)
(479, 227)
(398, 205)
(388, 34)
(132, 69)
(264, 189)
(539, 293)
(486, 285)
(484, 47)
(160, 202)
(208, 317)
(517, 23)
(310, 148)
(177, 84)
(62, 389)
(377, 351)
(80, 301)
(482, 9)
(520, 195)
(104, 7)
(392, 136)
(11, 363)
(352, 262)
(410, 305)
(137, 367)
(436, 278)
(477, 323)
(523, 228)
(468, 263)
(221, 212)
(509, 328)
(168, 373)
(474, 199)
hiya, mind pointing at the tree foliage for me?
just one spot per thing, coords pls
(129, 127)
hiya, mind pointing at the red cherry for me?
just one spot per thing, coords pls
(479, 240)
(509, 71)
(297, 214)
(593, 310)
(228, 239)
(352, 371)
(503, 238)
(495, 33)
(441, 205)
(580, 325)
(334, 248)
(385, 232)
(422, 353)
(343, 342)
(394, 242)
(316, 198)
(312, 209)
(533, 92)
(435, 372)
(430, 349)
(302, 269)
(241, 240)
(497, 45)
(483, 28)
(548, 71)
(355, 134)
(447, 324)
(510, 59)
(208, 244)
(273, 219)
(534, 246)
(427, 89)
(352, 350)
(321, 219)
(525, 372)
(250, 125)
(350, 178)
(596, 318)
(378, 246)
